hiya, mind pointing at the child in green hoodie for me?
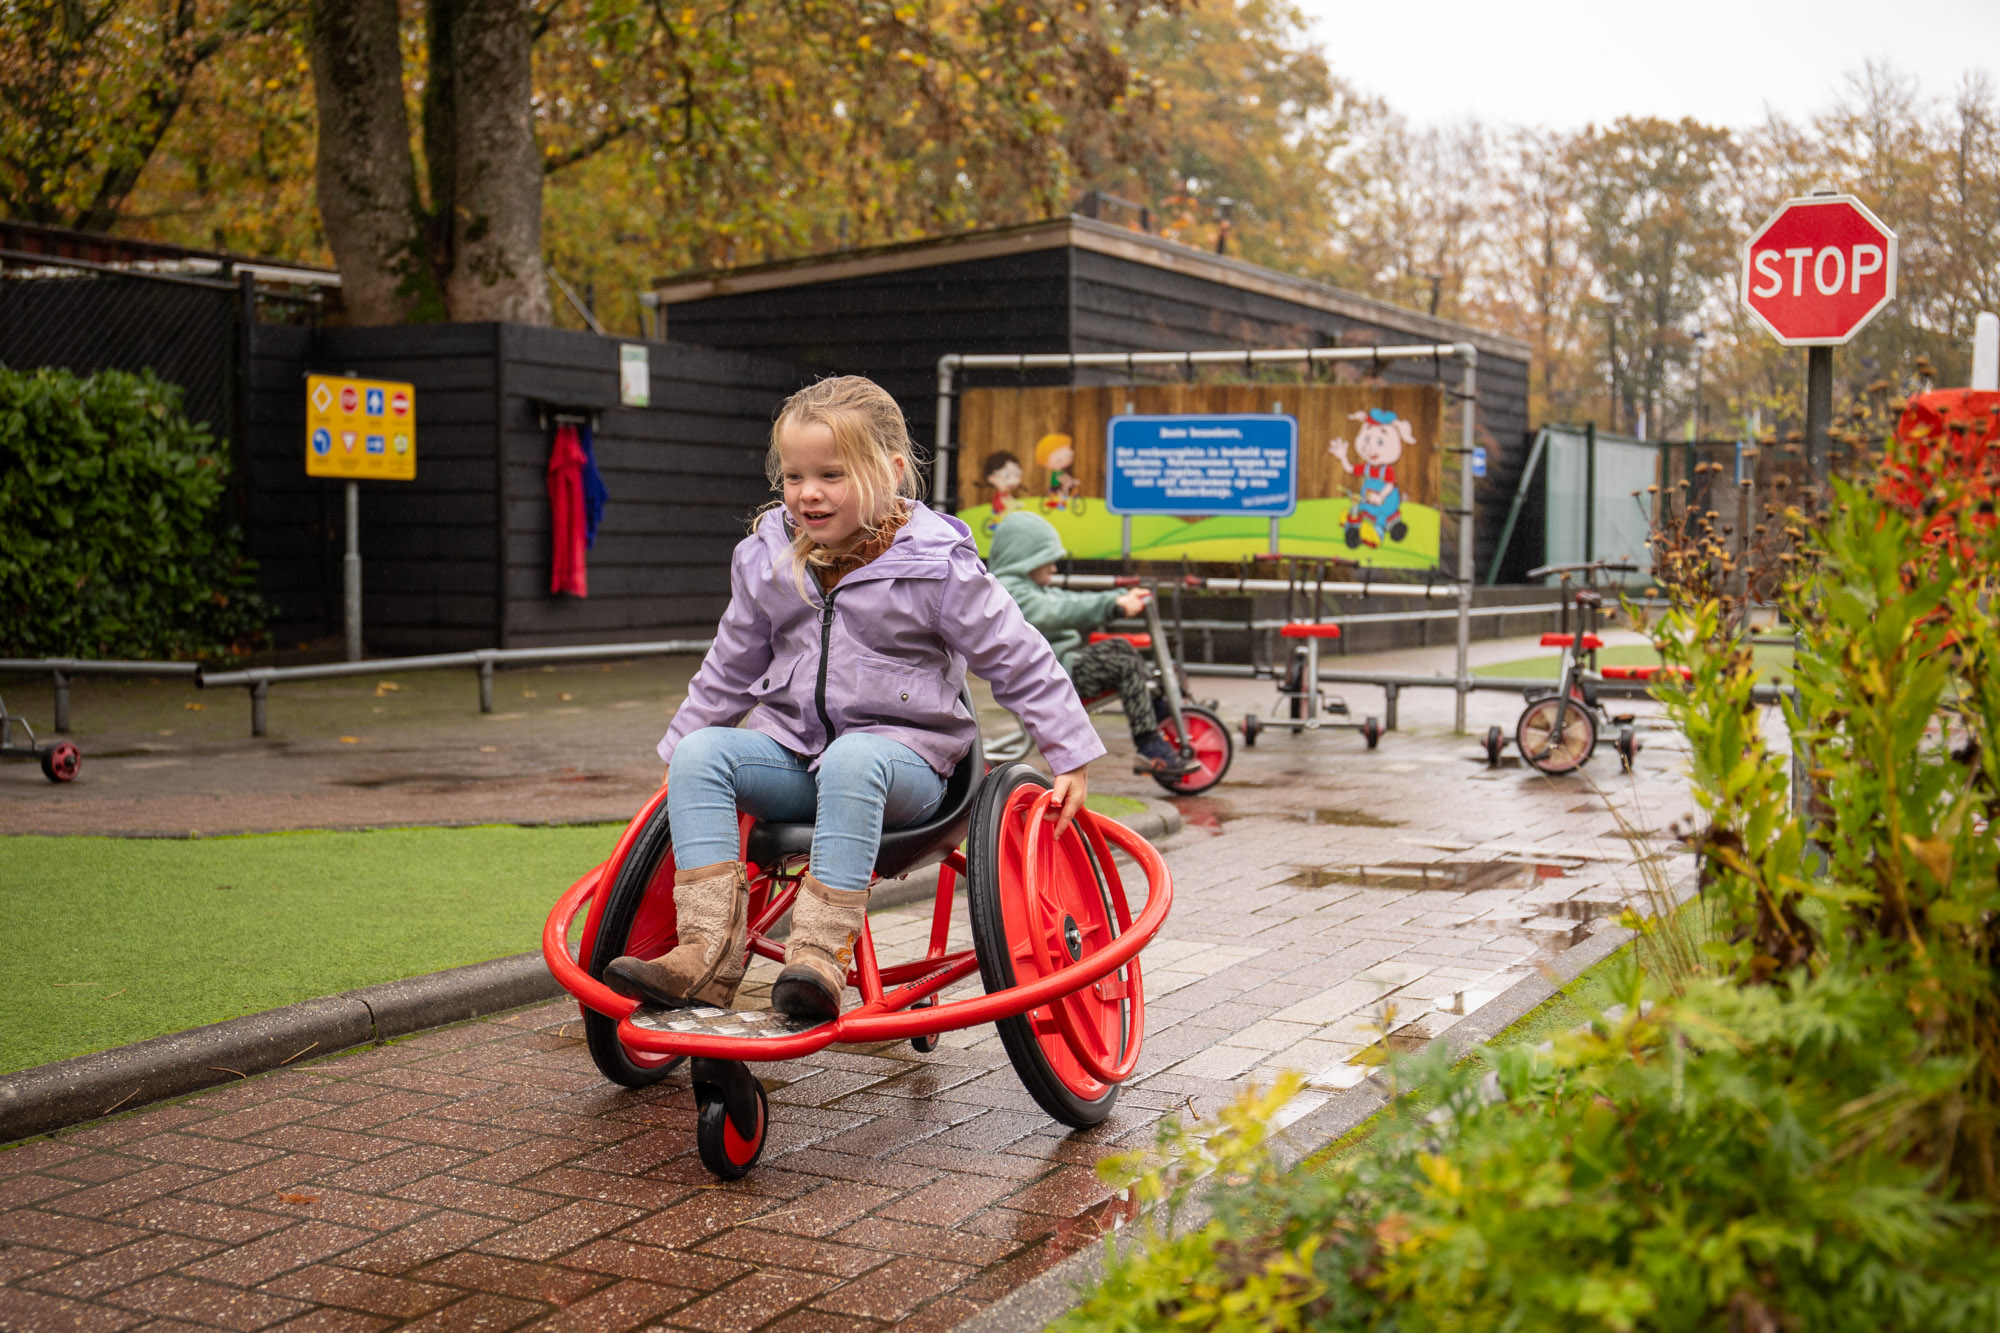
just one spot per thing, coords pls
(1024, 554)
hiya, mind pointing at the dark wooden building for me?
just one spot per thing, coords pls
(1072, 285)
(460, 557)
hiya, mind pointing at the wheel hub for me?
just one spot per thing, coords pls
(1072, 939)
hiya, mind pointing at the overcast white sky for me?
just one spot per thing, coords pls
(1563, 63)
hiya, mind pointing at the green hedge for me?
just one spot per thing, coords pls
(113, 536)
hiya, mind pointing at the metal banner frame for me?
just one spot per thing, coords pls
(1465, 353)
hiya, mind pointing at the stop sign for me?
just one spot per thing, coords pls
(1819, 269)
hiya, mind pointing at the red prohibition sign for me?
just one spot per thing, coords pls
(1818, 270)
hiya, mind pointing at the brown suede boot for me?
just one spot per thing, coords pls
(706, 965)
(825, 924)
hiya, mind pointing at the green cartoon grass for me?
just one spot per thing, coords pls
(1315, 529)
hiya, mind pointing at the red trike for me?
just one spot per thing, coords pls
(1054, 942)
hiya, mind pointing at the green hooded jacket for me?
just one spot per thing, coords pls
(1023, 543)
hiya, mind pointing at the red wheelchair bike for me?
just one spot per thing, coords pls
(1055, 944)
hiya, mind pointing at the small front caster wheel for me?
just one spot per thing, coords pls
(732, 1113)
(926, 1043)
(1371, 732)
(1496, 741)
(61, 761)
(1628, 749)
(1252, 724)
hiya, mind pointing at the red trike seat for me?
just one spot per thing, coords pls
(1645, 672)
(1143, 642)
(1591, 643)
(1302, 629)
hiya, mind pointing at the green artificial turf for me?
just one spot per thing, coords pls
(114, 940)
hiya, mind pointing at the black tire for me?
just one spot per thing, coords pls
(1252, 724)
(1398, 531)
(1628, 749)
(1202, 724)
(628, 891)
(996, 965)
(1353, 536)
(1578, 739)
(1371, 732)
(61, 761)
(927, 1043)
(1295, 683)
(1496, 741)
(724, 1151)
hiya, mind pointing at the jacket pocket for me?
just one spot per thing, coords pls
(896, 693)
(773, 688)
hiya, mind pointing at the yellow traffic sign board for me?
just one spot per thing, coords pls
(364, 430)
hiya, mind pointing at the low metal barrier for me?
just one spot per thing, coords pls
(60, 670)
(259, 680)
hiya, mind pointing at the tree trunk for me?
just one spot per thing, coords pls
(496, 219)
(440, 139)
(366, 177)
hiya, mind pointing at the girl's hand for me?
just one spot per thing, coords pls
(1070, 789)
(1133, 602)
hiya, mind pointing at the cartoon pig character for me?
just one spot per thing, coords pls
(1378, 444)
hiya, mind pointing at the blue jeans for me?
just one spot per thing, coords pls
(864, 784)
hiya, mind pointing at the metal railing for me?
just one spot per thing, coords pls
(259, 680)
(60, 670)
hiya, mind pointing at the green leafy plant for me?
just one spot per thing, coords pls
(113, 536)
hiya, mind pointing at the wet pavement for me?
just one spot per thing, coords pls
(1332, 905)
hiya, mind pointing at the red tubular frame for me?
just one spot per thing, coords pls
(886, 1016)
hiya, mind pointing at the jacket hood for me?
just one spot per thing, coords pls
(1024, 542)
(921, 547)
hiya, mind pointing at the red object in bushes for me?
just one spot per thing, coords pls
(568, 525)
(1944, 465)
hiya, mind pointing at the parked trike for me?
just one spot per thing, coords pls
(60, 760)
(1561, 728)
(1054, 942)
(1194, 729)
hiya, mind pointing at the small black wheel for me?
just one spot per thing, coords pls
(1353, 536)
(728, 1149)
(638, 919)
(1371, 732)
(1252, 724)
(1398, 531)
(1296, 683)
(1628, 749)
(61, 761)
(1496, 741)
(927, 1043)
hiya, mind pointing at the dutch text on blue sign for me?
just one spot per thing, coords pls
(1239, 464)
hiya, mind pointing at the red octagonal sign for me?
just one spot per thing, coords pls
(1819, 270)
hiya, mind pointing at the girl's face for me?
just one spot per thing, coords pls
(820, 493)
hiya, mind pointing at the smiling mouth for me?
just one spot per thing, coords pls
(815, 515)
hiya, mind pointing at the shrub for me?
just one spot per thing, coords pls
(113, 536)
(1801, 1134)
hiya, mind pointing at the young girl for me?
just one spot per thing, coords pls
(853, 615)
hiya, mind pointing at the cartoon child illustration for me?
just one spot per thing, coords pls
(1378, 444)
(1003, 476)
(1057, 453)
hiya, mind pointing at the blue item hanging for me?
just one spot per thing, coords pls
(594, 494)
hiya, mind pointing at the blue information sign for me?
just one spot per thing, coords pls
(1239, 464)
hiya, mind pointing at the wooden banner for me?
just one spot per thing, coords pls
(1368, 469)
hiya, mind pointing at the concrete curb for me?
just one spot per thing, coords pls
(88, 1087)
(51, 1096)
(1049, 1296)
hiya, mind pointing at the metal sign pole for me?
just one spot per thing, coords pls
(1469, 399)
(350, 567)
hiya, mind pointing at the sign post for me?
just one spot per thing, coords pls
(1814, 274)
(359, 430)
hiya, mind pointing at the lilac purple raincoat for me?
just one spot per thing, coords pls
(885, 652)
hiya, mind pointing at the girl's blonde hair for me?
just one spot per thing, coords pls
(868, 433)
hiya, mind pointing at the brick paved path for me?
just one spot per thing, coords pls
(485, 1177)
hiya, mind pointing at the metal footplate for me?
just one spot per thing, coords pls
(743, 1025)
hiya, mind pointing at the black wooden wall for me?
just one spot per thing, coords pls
(459, 558)
(894, 326)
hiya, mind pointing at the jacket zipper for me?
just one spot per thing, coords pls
(825, 642)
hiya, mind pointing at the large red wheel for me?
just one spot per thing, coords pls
(1208, 736)
(61, 761)
(638, 919)
(1038, 904)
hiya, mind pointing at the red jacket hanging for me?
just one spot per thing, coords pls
(569, 526)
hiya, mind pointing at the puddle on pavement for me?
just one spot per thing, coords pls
(1347, 818)
(1204, 812)
(1446, 876)
(411, 780)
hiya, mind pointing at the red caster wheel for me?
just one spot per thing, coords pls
(1252, 724)
(1371, 732)
(732, 1113)
(61, 761)
(925, 1044)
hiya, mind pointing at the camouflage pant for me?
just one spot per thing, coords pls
(1114, 665)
